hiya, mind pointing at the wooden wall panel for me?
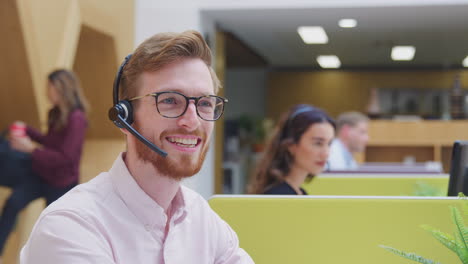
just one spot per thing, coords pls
(338, 91)
(44, 24)
(95, 64)
(16, 87)
(220, 69)
(397, 154)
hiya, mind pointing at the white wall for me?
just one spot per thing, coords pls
(178, 15)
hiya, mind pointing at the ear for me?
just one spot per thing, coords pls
(292, 149)
(344, 131)
(125, 131)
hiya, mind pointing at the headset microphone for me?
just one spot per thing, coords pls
(126, 125)
(121, 114)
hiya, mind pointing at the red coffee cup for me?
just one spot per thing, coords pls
(18, 129)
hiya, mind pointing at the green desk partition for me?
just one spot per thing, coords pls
(378, 185)
(334, 229)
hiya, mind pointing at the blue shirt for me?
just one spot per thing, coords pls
(340, 158)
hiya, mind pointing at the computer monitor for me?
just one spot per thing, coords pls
(458, 181)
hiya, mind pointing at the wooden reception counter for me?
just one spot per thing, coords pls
(393, 141)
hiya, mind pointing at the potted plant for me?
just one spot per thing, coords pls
(262, 131)
(254, 131)
(457, 243)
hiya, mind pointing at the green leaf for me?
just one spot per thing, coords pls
(462, 252)
(460, 224)
(461, 196)
(458, 243)
(444, 238)
(461, 235)
(411, 256)
(458, 218)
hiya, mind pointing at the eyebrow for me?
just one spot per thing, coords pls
(180, 91)
(318, 138)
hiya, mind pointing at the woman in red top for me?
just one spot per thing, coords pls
(50, 168)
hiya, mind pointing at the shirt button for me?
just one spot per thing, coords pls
(148, 228)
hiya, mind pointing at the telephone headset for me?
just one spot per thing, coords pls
(121, 114)
(300, 110)
(287, 129)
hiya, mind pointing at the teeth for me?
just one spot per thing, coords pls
(184, 141)
(184, 145)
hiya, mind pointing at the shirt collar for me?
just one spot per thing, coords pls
(138, 202)
(343, 147)
(348, 156)
(179, 206)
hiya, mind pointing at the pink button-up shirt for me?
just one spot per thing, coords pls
(111, 219)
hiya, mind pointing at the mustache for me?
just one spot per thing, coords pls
(197, 133)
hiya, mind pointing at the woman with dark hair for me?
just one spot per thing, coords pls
(50, 168)
(298, 150)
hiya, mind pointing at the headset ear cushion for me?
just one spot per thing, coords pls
(129, 110)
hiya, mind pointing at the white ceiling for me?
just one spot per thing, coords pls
(439, 33)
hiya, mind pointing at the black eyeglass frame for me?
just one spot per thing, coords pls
(187, 99)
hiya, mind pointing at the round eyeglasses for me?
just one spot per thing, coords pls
(174, 104)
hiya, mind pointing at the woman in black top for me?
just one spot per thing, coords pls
(297, 151)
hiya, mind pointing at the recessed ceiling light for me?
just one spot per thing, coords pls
(403, 53)
(313, 35)
(347, 23)
(329, 61)
(465, 62)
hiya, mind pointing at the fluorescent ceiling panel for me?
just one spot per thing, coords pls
(329, 61)
(403, 53)
(313, 35)
(347, 23)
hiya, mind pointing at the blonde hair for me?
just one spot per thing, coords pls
(163, 49)
(67, 86)
(351, 119)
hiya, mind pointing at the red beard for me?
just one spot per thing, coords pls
(183, 167)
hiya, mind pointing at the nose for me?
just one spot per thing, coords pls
(365, 139)
(189, 120)
(325, 152)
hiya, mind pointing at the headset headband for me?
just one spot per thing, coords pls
(117, 79)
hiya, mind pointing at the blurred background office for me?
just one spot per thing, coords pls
(402, 62)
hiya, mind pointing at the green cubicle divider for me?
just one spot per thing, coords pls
(337, 229)
(378, 184)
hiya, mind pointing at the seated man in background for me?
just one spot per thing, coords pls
(352, 137)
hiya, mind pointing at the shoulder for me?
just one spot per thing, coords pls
(77, 120)
(193, 199)
(85, 200)
(71, 230)
(81, 209)
(336, 149)
(199, 208)
(336, 144)
(77, 115)
(202, 215)
(282, 188)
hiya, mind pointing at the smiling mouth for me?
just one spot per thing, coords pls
(184, 142)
